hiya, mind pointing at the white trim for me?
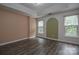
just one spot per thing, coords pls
(60, 40)
(49, 38)
(33, 37)
(12, 41)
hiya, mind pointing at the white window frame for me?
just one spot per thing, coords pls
(75, 25)
(38, 27)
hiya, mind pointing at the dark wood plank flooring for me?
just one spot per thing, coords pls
(39, 46)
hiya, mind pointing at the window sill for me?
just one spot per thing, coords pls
(71, 36)
(40, 33)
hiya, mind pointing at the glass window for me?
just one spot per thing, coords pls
(71, 25)
(40, 27)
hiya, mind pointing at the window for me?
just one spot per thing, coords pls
(40, 26)
(71, 26)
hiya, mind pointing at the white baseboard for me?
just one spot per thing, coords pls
(64, 41)
(33, 37)
(15, 41)
(60, 40)
(48, 38)
(12, 41)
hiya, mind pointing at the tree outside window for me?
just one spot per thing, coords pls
(71, 25)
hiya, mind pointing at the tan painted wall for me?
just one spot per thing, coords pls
(32, 27)
(12, 26)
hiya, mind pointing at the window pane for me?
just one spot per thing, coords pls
(40, 30)
(71, 20)
(40, 23)
(40, 27)
(71, 30)
(71, 25)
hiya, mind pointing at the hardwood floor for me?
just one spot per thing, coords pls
(39, 46)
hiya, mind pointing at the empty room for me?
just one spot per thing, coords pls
(39, 28)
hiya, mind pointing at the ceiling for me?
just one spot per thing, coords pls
(38, 7)
(41, 9)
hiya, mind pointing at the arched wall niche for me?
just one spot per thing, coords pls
(52, 28)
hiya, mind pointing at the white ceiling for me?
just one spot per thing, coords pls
(38, 7)
(39, 10)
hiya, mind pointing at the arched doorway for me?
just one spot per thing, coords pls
(52, 28)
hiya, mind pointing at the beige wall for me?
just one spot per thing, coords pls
(12, 26)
